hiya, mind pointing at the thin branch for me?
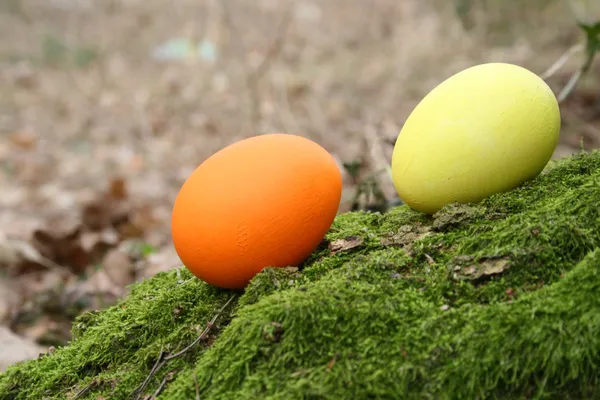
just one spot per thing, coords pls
(591, 46)
(568, 89)
(157, 365)
(196, 386)
(562, 96)
(558, 64)
(160, 387)
(85, 389)
(204, 333)
(163, 358)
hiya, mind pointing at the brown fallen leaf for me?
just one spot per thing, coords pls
(19, 257)
(108, 236)
(98, 243)
(348, 243)
(110, 208)
(407, 234)
(104, 212)
(64, 248)
(140, 220)
(451, 216)
(482, 270)
(118, 189)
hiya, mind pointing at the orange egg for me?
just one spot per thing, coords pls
(264, 201)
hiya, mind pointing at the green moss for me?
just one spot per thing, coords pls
(490, 300)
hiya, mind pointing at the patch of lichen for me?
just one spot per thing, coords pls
(496, 299)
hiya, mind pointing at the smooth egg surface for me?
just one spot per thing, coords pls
(264, 201)
(484, 130)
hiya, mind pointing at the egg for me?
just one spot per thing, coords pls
(265, 201)
(484, 130)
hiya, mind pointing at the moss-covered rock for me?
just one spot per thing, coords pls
(499, 299)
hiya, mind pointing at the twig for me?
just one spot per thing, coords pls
(160, 387)
(196, 386)
(558, 64)
(204, 333)
(163, 357)
(157, 365)
(562, 96)
(85, 389)
(592, 45)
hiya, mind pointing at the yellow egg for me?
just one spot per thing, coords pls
(485, 130)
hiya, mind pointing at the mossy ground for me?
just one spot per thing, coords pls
(491, 300)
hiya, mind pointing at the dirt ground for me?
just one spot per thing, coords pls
(100, 123)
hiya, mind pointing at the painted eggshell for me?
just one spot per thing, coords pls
(264, 201)
(485, 130)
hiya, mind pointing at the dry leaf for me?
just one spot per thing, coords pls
(62, 248)
(105, 212)
(109, 209)
(348, 243)
(140, 220)
(98, 243)
(451, 216)
(482, 270)
(406, 235)
(21, 257)
(118, 189)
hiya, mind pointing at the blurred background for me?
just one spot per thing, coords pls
(106, 106)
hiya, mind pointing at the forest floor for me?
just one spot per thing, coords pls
(101, 121)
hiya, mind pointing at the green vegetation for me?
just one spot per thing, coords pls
(490, 300)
